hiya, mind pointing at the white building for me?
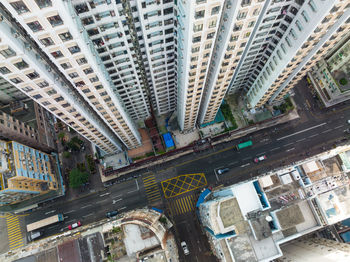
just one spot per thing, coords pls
(249, 221)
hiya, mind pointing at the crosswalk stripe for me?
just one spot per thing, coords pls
(10, 233)
(149, 178)
(150, 182)
(154, 197)
(178, 201)
(9, 227)
(16, 245)
(188, 203)
(15, 240)
(183, 200)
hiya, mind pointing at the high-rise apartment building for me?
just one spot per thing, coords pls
(48, 55)
(261, 49)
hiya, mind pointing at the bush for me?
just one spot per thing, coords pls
(77, 178)
(61, 136)
(66, 154)
(81, 167)
(91, 163)
(343, 81)
(163, 220)
(226, 111)
(149, 154)
(116, 230)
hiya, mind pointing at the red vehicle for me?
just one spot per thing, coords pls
(74, 225)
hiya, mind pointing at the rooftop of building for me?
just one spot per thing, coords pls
(279, 206)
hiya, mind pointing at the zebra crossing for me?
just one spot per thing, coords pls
(14, 232)
(151, 188)
(182, 205)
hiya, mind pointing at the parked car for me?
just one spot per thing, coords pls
(111, 214)
(259, 159)
(34, 235)
(223, 170)
(74, 225)
(185, 248)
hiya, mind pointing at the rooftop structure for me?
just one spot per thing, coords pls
(254, 218)
(25, 172)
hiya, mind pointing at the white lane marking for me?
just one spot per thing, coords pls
(290, 149)
(231, 164)
(121, 208)
(216, 175)
(289, 144)
(301, 139)
(117, 200)
(69, 221)
(302, 131)
(85, 206)
(98, 202)
(313, 135)
(105, 194)
(246, 158)
(69, 212)
(245, 165)
(88, 215)
(49, 212)
(326, 131)
(117, 196)
(338, 127)
(137, 185)
(132, 191)
(276, 148)
(261, 153)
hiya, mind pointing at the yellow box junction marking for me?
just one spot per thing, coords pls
(181, 184)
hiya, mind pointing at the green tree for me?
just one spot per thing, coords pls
(77, 178)
(61, 135)
(66, 154)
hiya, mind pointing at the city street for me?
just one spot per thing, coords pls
(312, 133)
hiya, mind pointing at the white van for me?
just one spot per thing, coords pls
(34, 235)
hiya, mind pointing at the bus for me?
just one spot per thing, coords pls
(45, 222)
(244, 144)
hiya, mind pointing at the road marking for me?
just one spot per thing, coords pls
(216, 175)
(105, 194)
(326, 131)
(261, 153)
(313, 135)
(246, 158)
(289, 144)
(132, 191)
(115, 201)
(101, 201)
(338, 127)
(245, 165)
(69, 212)
(88, 215)
(49, 212)
(276, 148)
(69, 221)
(290, 149)
(117, 196)
(302, 131)
(85, 206)
(121, 208)
(137, 185)
(301, 139)
(231, 164)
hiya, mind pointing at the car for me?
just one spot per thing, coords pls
(185, 248)
(349, 121)
(34, 235)
(347, 131)
(259, 159)
(74, 225)
(223, 170)
(111, 214)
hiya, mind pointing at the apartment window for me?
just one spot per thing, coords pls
(20, 7)
(283, 47)
(305, 16)
(21, 65)
(279, 54)
(43, 3)
(55, 20)
(74, 49)
(199, 14)
(210, 35)
(73, 75)
(197, 28)
(57, 54)
(16, 80)
(35, 26)
(66, 65)
(195, 49)
(7, 52)
(312, 6)
(4, 70)
(81, 61)
(299, 26)
(215, 10)
(241, 15)
(212, 23)
(32, 75)
(196, 39)
(42, 84)
(88, 71)
(243, 44)
(47, 41)
(65, 36)
(251, 23)
(168, 11)
(289, 43)
(293, 34)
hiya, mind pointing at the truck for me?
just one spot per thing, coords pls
(45, 222)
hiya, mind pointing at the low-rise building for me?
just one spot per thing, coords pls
(25, 173)
(250, 220)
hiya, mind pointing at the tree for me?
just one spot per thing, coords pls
(77, 178)
(61, 135)
(66, 154)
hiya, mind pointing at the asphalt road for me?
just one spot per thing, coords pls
(314, 132)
